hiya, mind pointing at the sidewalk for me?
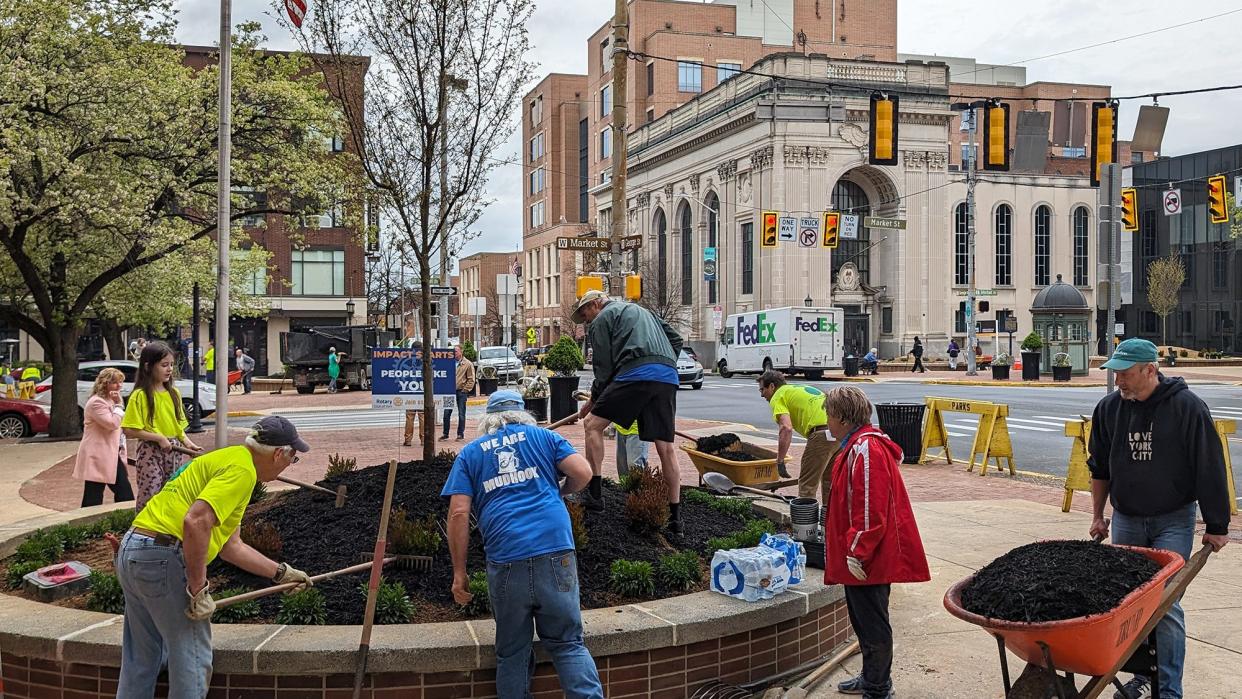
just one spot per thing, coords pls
(1096, 377)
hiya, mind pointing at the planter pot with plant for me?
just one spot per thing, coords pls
(1000, 366)
(1031, 356)
(564, 360)
(488, 383)
(1061, 367)
(535, 395)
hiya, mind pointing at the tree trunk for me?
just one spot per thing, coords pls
(429, 406)
(113, 339)
(66, 421)
(1164, 330)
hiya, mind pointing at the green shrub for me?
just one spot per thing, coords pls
(737, 507)
(629, 482)
(1032, 342)
(235, 613)
(754, 530)
(106, 594)
(679, 571)
(413, 537)
(631, 578)
(339, 465)
(305, 608)
(19, 569)
(259, 492)
(469, 352)
(116, 521)
(392, 603)
(72, 536)
(719, 543)
(41, 545)
(697, 495)
(565, 357)
(481, 604)
(577, 522)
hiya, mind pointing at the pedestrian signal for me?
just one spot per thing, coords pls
(996, 136)
(767, 232)
(589, 283)
(882, 141)
(832, 229)
(1103, 138)
(633, 287)
(1129, 210)
(1218, 211)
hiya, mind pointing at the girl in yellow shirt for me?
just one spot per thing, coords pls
(155, 418)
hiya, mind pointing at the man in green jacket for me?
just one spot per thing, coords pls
(635, 363)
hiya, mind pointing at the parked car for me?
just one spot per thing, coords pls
(23, 418)
(503, 359)
(87, 371)
(689, 371)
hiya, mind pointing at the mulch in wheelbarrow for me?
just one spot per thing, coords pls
(725, 445)
(1055, 580)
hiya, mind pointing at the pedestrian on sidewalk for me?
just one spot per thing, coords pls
(334, 369)
(162, 562)
(209, 361)
(465, 380)
(954, 351)
(800, 408)
(509, 475)
(917, 351)
(101, 455)
(871, 537)
(871, 362)
(635, 364)
(1155, 455)
(155, 419)
(245, 364)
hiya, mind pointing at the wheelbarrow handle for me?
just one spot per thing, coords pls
(690, 437)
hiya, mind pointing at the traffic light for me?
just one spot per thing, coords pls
(1129, 210)
(1218, 210)
(633, 287)
(1103, 138)
(832, 229)
(882, 141)
(587, 283)
(767, 233)
(996, 136)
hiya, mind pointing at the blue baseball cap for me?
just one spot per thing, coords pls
(1131, 352)
(502, 401)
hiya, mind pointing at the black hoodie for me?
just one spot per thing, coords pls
(1160, 454)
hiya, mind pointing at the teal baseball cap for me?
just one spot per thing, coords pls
(1131, 352)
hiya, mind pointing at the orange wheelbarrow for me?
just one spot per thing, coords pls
(1099, 646)
(235, 379)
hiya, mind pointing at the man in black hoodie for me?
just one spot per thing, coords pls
(1155, 453)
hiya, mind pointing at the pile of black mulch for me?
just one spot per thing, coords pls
(319, 538)
(717, 443)
(1054, 580)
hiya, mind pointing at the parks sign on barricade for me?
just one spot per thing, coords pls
(397, 377)
(992, 440)
(1078, 477)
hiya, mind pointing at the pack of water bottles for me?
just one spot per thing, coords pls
(761, 572)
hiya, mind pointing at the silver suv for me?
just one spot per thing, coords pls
(503, 359)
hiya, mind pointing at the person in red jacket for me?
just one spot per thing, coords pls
(870, 535)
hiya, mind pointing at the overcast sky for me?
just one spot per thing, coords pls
(999, 31)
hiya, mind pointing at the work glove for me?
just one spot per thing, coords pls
(856, 568)
(782, 470)
(288, 574)
(202, 606)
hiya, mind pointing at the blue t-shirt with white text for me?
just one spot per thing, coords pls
(511, 478)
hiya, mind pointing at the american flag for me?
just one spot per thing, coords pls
(296, 10)
(514, 268)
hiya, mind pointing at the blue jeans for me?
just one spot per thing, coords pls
(542, 593)
(1173, 531)
(156, 627)
(461, 416)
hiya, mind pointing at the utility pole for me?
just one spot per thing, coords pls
(968, 117)
(620, 58)
(1110, 228)
(223, 192)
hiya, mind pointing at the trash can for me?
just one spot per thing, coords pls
(903, 422)
(850, 364)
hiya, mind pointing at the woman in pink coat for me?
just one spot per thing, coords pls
(101, 456)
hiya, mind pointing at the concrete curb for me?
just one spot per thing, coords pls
(245, 413)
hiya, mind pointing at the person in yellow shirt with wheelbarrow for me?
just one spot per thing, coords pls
(797, 408)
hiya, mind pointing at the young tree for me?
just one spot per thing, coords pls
(1165, 277)
(446, 77)
(664, 300)
(108, 161)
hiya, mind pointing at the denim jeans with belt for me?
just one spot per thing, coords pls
(157, 631)
(1172, 531)
(540, 594)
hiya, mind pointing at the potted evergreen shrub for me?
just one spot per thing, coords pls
(1031, 356)
(1000, 366)
(564, 360)
(535, 395)
(488, 383)
(1061, 366)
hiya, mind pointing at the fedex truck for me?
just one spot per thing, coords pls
(794, 339)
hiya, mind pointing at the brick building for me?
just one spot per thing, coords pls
(477, 274)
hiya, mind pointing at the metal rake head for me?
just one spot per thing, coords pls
(717, 690)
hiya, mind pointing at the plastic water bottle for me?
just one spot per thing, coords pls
(794, 552)
(750, 574)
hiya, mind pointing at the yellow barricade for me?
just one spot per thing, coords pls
(992, 440)
(1079, 476)
(26, 390)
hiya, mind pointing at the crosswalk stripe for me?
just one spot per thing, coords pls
(1045, 423)
(957, 434)
(1030, 428)
(1057, 418)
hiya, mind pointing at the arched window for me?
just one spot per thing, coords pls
(711, 207)
(1043, 246)
(1004, 245)
(961, 247)
(686, 233)
(1082, 226)
(851, 200)
(661, 229)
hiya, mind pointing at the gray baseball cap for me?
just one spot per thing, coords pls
(276, 431)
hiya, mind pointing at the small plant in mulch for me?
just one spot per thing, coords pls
(747, 537)
(42, 545)
(106, 594)
(339, 465)
(577, 522)
(629, 482)
(263, 538)
(242, 611)
(259, 492)
(632, 578)
(646, 508)
(392, 603)
(18, 570)
(304, 608)
(678, 571)
(481, 604)
(408, 537)
(446, 455)
(738, 507)
(116, 522)
(72, 536)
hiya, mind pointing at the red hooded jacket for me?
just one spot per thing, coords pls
(869, 515)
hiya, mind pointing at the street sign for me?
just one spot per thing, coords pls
(1172, 200)
(476, 306)
(1011, 324)
(849, 226)
(631, 242)
(978, 292)
(531, 337)
(787, 229)
(443, 291)
(709, 264)
(717, 317)
(891, 224)
(589, 244)
(808, 231)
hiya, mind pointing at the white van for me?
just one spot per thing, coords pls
(794, 339)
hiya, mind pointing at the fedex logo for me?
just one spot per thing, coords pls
(817, 325)
(755, 333)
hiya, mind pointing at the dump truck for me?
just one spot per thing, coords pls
(305, 352)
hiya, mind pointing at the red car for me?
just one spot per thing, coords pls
(23, 418)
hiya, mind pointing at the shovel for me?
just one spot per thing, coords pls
(802, 689)
(722, 485)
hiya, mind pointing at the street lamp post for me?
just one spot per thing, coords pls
(196, 420)
(349, 312)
